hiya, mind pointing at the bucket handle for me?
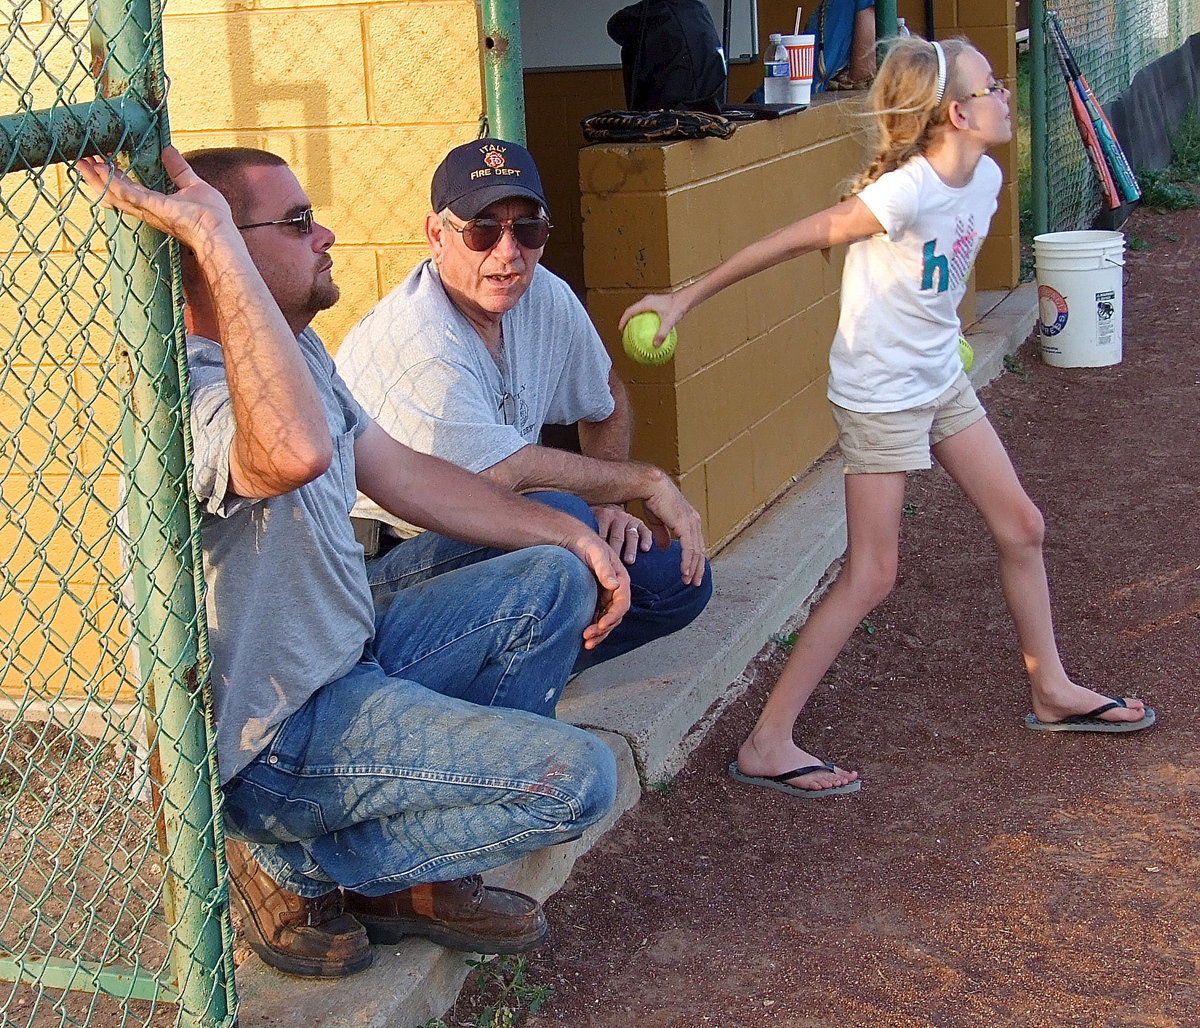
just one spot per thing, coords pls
(1118, 264)
(1126, 271)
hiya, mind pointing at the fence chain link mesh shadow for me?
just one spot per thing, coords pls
(116, 911)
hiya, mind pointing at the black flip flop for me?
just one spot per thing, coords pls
(780, 782)
(1092, 722)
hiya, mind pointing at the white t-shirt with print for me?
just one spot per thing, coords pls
(896, 345)
(420, 369)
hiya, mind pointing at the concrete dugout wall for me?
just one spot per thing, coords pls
(363, 100)
(741, 411)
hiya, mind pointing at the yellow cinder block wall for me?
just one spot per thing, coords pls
(991, 26)
(363, 100)
(555, 103)
(61, 619)
(741, 409)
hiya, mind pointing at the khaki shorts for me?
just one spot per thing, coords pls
(874, 442)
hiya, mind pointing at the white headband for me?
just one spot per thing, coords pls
(941, 81)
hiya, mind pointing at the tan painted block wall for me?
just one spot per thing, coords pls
(363, 99)
(62, 619)
(741, 410)
(991, 26)
(555, 103)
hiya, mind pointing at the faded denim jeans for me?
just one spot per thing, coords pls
(662, 602)
(435, 757)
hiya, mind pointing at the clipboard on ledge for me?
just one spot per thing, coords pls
(759, 112)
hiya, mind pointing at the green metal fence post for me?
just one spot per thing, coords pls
(161, 563)
(885, 19)
(161, 523)
(503, 69)
(1038, 178)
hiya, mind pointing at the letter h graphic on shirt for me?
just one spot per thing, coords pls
(935, 263)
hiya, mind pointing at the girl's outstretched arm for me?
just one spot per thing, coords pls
(846, 222)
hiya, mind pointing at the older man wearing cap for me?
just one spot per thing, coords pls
(473, 354)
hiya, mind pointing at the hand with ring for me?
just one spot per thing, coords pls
(622, 531)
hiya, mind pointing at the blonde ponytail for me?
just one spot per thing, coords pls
(904, 106)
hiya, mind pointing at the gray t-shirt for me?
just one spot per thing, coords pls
(288, 605)
(421, 370)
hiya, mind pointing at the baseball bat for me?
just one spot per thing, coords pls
(1095, 151)
(1091, 142)
(1115, 156)
(1122, 173)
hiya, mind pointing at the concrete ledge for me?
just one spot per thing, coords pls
(661, 696)
(1006, 320)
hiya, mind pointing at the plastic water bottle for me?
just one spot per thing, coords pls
(901, 28)
(775, 71)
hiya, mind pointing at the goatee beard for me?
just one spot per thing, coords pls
(324, 297)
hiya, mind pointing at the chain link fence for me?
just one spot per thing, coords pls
(115, 911)
(1112, 40)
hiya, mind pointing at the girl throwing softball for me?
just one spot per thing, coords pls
(914, 222)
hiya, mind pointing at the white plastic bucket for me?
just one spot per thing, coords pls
(1079, 297)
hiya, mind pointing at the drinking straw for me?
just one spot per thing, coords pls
(796, 32)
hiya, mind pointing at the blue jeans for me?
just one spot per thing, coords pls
(662, 602)
(412, 768)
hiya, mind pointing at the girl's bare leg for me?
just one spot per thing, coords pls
(977, 461)
(873, 508)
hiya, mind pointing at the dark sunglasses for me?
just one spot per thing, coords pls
(303, 221)
(482, 234)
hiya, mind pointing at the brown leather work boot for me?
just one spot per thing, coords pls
(312, 938)
(462, 914)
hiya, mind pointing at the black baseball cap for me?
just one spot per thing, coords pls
(479, 173)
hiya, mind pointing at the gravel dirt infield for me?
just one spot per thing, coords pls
(986, 874)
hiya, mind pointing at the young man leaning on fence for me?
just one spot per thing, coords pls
(376, 759)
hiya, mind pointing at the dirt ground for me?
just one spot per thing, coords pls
(986, 874)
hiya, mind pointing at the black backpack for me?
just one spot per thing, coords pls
(671, 56)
